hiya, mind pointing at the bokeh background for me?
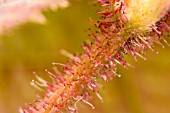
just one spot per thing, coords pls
(33, 47)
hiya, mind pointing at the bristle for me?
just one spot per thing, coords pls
(116, 37)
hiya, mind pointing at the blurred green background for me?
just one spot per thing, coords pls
(33, 47)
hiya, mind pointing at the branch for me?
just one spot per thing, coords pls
(120, 32)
